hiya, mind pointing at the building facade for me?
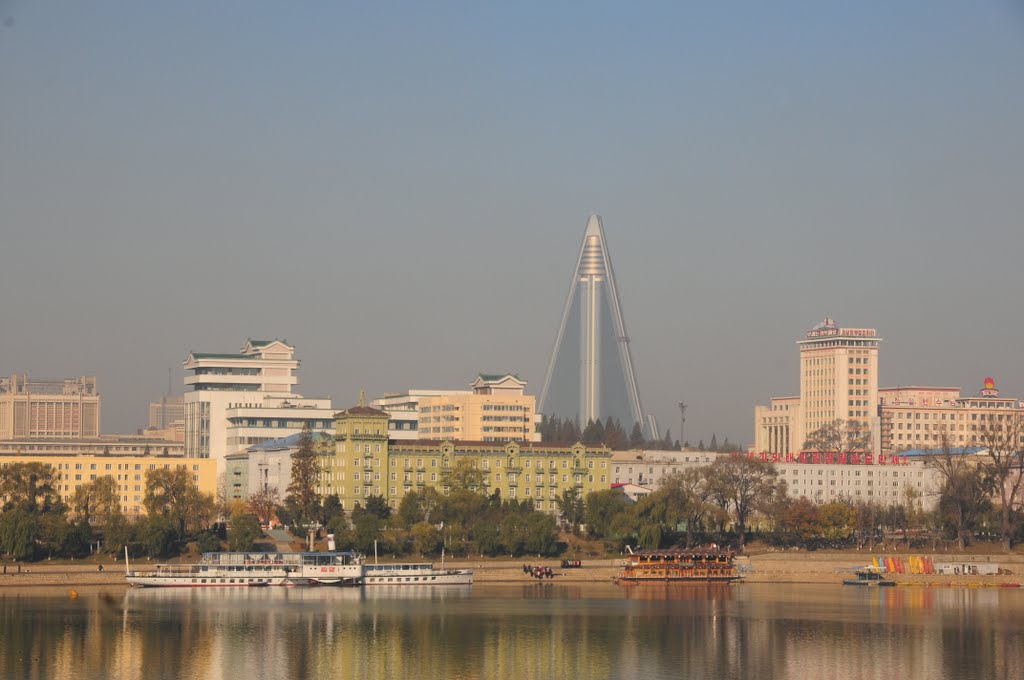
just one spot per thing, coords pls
(49, 409)
(496, 409)
(937, 417)
(104, 444)
(235, 401)
(166, 412)
(365, 463)
(71, 471)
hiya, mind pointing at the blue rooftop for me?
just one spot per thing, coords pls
(963, 451)
(289, 442)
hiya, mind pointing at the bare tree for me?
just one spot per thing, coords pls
(264, 503)
(1002, 436)
(963, 496)
(742, 484)
(839, 436)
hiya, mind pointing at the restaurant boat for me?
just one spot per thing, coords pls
(254, 569)
(679, 566)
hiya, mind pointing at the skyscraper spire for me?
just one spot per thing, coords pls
(590, 375)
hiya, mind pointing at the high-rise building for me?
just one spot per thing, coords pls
(590, 375)
(49, 409)
(164, 413)
(239, 400)
(838, 381)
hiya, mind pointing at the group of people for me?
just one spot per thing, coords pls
(538, 571)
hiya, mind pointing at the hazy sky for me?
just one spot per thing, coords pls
(400, 190)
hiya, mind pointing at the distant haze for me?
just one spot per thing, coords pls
(400, 192)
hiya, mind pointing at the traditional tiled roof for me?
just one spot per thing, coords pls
(365, 411)
(209, 355)
(494, 377)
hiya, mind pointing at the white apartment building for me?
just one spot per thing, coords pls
(234, 401)
(820, 477)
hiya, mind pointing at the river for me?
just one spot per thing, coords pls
(535, 631)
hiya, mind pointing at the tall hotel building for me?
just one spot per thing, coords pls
(838, 381)
(234, 401)
(49, 409)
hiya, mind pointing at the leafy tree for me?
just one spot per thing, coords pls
(426, 539)
(649, 536)
(378, 506)
(572, 508)
(714, 442)
(410, 510)
(28, 486)
(541, 534)
(264, 504)
(344, 538)
(330, 509)
(636, 437)
(367, 529)
(19, 529)
(95, 501)
(158, 535)
(208, 541)
(688, 499)
(465, 476)
(601, 508)
(800, 521)
(245, 531)
(838, 521)
(593, 433)
(742, 483)
(173, 494)
(303, 498)
(117, 531)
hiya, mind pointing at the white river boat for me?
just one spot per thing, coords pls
(255, 569)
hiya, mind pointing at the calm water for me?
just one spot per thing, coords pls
(533, 631)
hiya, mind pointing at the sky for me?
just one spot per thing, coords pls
(400, 190)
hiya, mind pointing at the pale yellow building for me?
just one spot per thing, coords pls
(365, 463)
(49, 409)
(496, 410)
(838, 381)
(932, 417)
(71, 471)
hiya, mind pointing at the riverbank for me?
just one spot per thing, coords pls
(778, 567)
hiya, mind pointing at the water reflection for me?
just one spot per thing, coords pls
(521, 632)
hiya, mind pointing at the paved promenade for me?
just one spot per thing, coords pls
(781, 567)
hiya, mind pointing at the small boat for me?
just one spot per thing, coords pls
(671, 566)
(255, 569)
(868, 576)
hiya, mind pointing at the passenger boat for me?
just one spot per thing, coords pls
(256, 569)
(868, 576)
(414, 574)
(670, 566)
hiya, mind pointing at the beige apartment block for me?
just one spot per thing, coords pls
(71, 471)
(496, 410)
(49, 409)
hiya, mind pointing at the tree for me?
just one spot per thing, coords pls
(714, 441)
(244, 532)
(173, 494)
(28, 486)
(601, 509)
(963, 495)
(1003, 464)
(426, 539)
(800, 521)
(366, 528)
(840, 436)
(303, 498)
(666, 443)
(330, 509)
(378, 506)
(688, 495)
(742, 483)
(95, 501)
(264, 504)
(464, 475)
(19, 529)
(572, 508)
(593, 433)
(636, 437)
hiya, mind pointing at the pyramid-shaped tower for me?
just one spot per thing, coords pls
(590, 375)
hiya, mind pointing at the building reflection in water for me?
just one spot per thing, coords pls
(525, 633)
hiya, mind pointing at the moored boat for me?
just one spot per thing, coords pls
(677, 565)
(414, 574)
(868, 576)
(256, 569)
